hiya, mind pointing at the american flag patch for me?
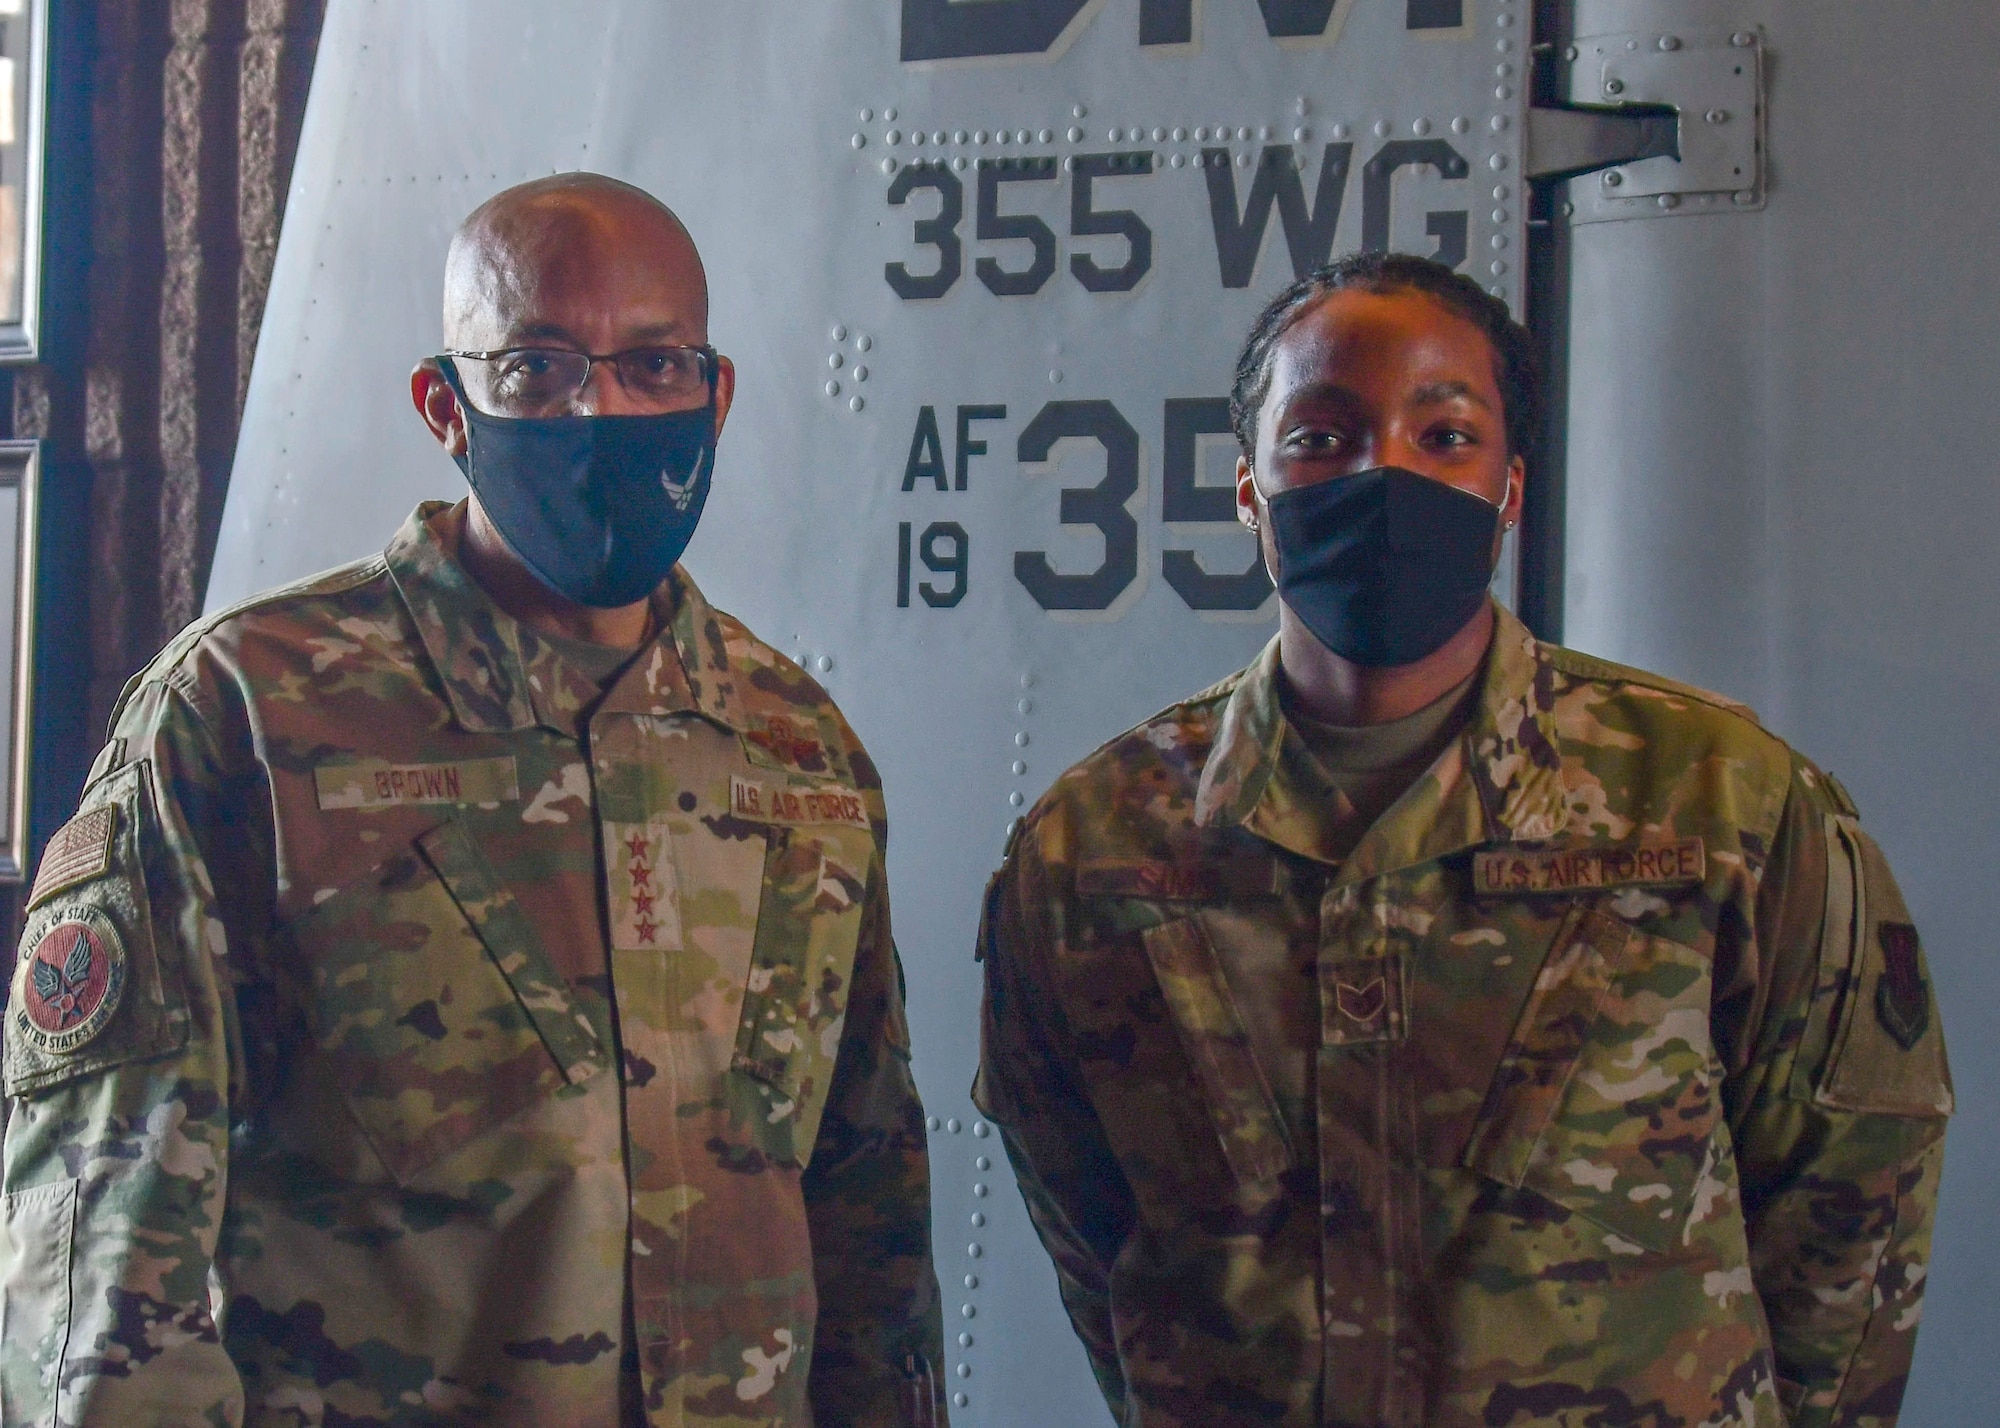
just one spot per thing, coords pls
(80, 851)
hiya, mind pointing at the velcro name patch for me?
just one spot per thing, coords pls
(79, 851)
(1155, 879)
(373, 784)
(796, 807)
(1567, 870)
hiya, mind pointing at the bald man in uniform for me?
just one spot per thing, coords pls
(465, 993)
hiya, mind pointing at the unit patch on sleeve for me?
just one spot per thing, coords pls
(1566, 870)
(68, 988)
(79, 851)
(1902, 1000)
(796, 807)
(374, 784)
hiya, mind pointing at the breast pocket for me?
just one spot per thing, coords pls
(435, 1004)
(809, 916)
(1606, 1101)
(1216, 1042)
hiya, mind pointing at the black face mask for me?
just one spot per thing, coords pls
(599, 507)
(1383, 566)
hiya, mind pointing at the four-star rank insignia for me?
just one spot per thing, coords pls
(1902, 998)
(69, 988)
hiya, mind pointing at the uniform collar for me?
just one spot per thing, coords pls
(499, 678)
(1500, 782)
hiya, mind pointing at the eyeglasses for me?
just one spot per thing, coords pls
(540, 381)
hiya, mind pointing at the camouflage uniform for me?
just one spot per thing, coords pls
(376, 891)
(1618, 1097)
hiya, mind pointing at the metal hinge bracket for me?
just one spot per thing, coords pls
(1707, 86)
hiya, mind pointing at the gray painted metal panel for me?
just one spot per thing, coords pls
(768, 125)
(1784, 485)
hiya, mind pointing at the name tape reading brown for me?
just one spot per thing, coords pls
(384, 785)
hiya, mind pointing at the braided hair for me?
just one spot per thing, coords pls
(1515, 368)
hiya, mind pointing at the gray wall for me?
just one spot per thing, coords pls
(1785, 484)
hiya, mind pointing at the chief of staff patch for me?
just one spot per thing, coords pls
(69, 989)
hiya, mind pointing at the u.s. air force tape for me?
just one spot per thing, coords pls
(785, 804)
(1610, 865)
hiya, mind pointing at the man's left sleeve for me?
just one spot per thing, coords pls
(1838, 1117)
(878, 1352)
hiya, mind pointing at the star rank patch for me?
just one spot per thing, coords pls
(79, 851)
(69, 987)
(642, 891)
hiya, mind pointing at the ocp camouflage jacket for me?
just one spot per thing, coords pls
(404, 1034)
(1609, 1092)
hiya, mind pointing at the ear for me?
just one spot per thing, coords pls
(725, 391)
(1517, 481)
(1247, 497)
(438, 405)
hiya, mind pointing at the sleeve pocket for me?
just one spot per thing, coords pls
(801, 966)
(1217, 1045)
(433, 1000)
(123, 998)
(1606, 1100)
(1873, 1034)
(36, 1228)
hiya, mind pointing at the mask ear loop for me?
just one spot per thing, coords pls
(1253, 525)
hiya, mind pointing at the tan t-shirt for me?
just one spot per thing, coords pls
(1362, 769)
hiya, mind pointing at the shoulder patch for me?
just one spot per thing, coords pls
(93, 987)
(72, 982)
(1872, 1041)
(79, 851)
(1902, 995)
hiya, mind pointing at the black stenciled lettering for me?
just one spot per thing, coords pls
(926, 461)
(956, 29)
(1296, 19)
(1184, 501)
(1449, 227)
(1166, 22)
(968, 445)
(943, 29)
(1087, 221)
(1377, 185)
(1239, 235)
(1434, 15)
(956, 564)
(992, 225)
(940, 231)
(1102, 506)
(902, 565)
